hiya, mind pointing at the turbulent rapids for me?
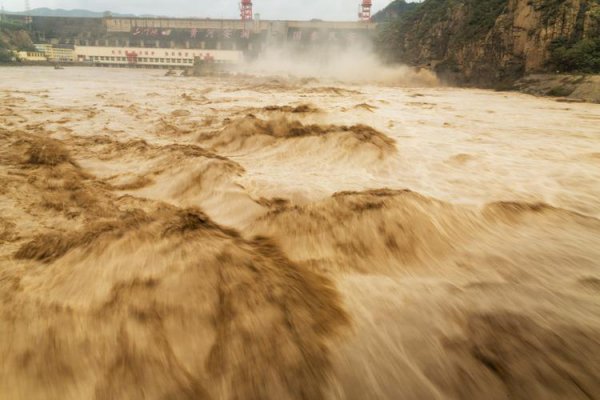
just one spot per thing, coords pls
(284, 238)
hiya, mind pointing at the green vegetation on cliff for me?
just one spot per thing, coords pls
(581, 56)
(394, 10)
(477, 17)
(579, 53)
(494, 42)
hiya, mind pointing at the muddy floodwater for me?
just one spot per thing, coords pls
(280, 238)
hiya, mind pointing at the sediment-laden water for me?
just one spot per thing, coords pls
(282, 238)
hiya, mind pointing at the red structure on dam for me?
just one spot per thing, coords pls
(246, 10)
(364, 10)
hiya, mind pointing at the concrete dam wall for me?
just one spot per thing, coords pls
(247, 36)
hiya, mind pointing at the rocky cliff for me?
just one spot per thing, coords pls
(494, 42)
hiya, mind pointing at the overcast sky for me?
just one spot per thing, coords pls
(268, 9)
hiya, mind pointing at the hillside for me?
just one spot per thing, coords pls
(13, 37)
(494, 42)
(395, 9)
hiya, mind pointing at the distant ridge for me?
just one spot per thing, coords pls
(78, 13)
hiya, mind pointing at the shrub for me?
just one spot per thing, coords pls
(5, 56)
(560, 91)
(581, 56)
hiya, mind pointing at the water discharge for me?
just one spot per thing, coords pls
(261, 237)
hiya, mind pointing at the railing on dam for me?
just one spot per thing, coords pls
(120, 24)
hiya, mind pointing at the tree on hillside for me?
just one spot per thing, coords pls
(394, 10)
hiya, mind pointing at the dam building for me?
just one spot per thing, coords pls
(61, 54)
(151, 57)
(248, 36)
(141, 57)
(176, 42)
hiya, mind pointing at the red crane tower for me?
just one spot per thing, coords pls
(246, 10)
(364, 10)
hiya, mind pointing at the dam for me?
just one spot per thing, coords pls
(246, 36)
(151, 42)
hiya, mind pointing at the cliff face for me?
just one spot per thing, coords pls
(493, 42)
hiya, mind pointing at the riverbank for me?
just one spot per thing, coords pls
(567, 87)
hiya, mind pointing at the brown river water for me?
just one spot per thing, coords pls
(269, 237)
